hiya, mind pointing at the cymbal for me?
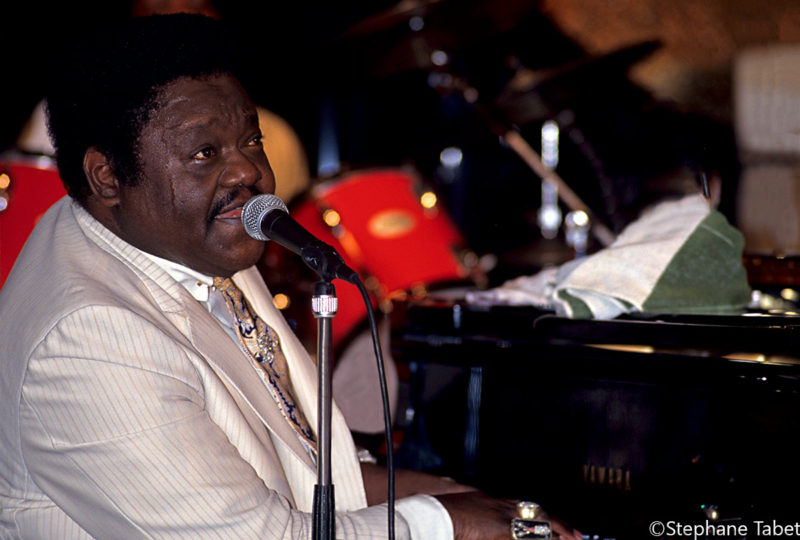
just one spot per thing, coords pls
(388, 42)
(536, 94)
(403, 11)
(622, 58)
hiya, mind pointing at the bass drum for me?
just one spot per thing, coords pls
(389, 229)
(29, 185)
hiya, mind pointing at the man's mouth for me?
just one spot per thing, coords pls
(230, 206)
(235, 213)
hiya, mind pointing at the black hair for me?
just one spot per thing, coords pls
(106, 88)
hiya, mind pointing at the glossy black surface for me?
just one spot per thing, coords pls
(684, 410)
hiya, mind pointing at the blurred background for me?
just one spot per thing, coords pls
(642, 88)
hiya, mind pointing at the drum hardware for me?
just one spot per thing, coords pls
(515, 141)
(547, 95)
(577, 235)
(549, 215)
(565, 193)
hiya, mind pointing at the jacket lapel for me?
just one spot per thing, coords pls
(346, 470)
(228, 361)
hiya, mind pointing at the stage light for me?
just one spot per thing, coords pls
(331, 218)
(428, 199)
(281, 301)
(451, 157)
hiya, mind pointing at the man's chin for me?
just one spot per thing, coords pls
(245, 258)
(232, 254)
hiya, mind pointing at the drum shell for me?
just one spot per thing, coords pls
(33, 186)
(382, 231)
(387, 233)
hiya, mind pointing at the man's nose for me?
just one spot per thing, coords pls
(241, 169)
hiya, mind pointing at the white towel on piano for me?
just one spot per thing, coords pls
(678, 257)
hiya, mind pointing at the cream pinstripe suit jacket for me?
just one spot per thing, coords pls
(127, 411)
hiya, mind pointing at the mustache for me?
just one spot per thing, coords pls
(228, 198)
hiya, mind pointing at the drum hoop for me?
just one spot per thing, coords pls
(36, 161)
(320, 190)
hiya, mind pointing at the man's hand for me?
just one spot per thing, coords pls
(476, 516)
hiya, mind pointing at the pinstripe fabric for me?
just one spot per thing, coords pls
(125, 416)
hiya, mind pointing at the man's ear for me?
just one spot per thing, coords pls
(102, 180)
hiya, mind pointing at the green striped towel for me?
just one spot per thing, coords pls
(678, 257)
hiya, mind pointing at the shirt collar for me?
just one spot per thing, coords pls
(196, 283)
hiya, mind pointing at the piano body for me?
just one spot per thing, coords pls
(610, 424)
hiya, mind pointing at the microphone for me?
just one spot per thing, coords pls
(265, 217)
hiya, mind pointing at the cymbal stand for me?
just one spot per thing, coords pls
(531, 158)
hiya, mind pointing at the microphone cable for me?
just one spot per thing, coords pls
(387, 416)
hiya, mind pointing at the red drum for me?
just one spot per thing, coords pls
(29, 185)
(386, 229)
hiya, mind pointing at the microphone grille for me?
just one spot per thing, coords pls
(255, 209)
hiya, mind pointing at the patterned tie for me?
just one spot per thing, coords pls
(264, 348)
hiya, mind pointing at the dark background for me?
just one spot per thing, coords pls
(639, 117)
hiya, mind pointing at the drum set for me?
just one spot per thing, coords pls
(387, 226)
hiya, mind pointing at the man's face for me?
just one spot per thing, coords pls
(201, 159)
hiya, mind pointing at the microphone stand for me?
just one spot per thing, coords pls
(265, 218)
(324, 305)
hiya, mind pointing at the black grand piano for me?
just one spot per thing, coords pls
(610, 424)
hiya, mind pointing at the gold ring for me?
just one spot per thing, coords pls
(527, 509)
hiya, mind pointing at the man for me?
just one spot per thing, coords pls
(287, 156)
(130, 409)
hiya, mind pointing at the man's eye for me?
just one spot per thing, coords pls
(204, 153)
(257, 140)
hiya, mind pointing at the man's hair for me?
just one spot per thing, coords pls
(106, 89)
